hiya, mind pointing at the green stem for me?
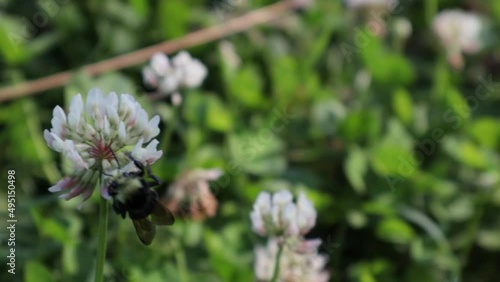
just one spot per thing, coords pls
(277, 265)
(167, 137)
(180, 258)
(102, 238)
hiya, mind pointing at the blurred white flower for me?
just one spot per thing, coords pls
(358, 4)
(402, 27)
(278, 215)
(294, 266)
(169, 76)
(459, 32)
(95, 137)
(190, 194)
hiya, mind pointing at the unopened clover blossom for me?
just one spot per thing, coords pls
(170, 75)
(278, 215)
(190, 194)
(96, 137)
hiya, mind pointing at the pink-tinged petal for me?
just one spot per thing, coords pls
(85, 195)
(308, 246)
(149, 77)
(63, 184)
(105, 192)
(78, 190)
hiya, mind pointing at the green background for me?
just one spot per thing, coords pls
(403, 169)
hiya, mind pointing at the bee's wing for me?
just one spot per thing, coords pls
(161, 215)
(145, 230)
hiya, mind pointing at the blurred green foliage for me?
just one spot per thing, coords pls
(398, 151)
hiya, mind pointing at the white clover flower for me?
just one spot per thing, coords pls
(358, 4)
(96, 137)
(278, 215)
(169, 76)
(190, 194)
(193, 72)
(294, 266)
(459, 32)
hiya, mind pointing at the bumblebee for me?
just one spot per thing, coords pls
(132, 193)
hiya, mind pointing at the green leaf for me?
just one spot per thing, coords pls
(14, 34)
(218, 117)
(258, 152)
(360, 125)
(467, 152)
(284, 73)
(403, 105)
(489, 239)
(246, 87)
(395, 230)
(37, 272)
(356, 165)
(393, 154)
(173, 18)
(490, 125)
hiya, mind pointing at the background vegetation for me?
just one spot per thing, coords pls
(398, 150)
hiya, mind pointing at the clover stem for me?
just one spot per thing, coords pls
(102, 238)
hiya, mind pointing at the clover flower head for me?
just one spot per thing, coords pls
(278, 215)
(170, 75)
(459, 32)
(295, 266)
(359, 4)
(97, 135)
(191, 196)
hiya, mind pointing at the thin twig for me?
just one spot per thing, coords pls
(232, 26)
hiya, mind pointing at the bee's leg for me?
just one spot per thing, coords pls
(138, 164)
(152, 176)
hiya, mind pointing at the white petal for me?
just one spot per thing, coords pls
(160, 64)
(306, 214)
(95, 103)
(181, 59)
(194, 74)
(288, 219)
(169, 83)
(122, 133)
(58, 121)
(152, 129)
(75, 112)
(282, 197)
